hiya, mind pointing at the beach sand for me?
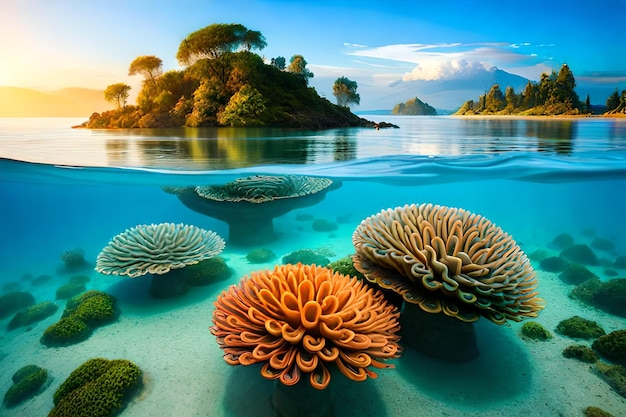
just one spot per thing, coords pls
(185, 376)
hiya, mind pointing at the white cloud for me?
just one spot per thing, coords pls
(444, 69)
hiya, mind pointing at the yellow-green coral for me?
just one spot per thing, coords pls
(26, 382)
(535, 331)
(578, 327)
(32, 314)
(98, 388)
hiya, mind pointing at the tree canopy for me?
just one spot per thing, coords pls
(297, 65)
(117, 94)
(344, 89)
(147, 65)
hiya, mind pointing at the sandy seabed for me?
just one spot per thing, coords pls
(185, 376)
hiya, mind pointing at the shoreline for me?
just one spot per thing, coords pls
(541, 117)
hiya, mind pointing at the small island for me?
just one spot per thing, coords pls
(223, 83)
(414, 107)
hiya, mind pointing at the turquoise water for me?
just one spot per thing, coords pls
(64, 188)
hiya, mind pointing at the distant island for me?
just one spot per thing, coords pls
(414, 107)
(553, 95)
(223, 83)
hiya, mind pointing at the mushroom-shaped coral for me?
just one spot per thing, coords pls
(250, 204)
(157, 249)
(447, 260)
(298, 319)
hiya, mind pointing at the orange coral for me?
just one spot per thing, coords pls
(298, 318)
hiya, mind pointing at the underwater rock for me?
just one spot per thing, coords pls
(579, 328)
(32, 314)
(596, 412)
(581, 353)
(562, 241)
(614, 375)
(69, 290)
(206, 272)
(12, 286)
(576, 274)
(620, 262)
(553, 264)
(99, 387)
(41, 279)
(323, 225)
(612, 346)
(531, 330)
(27, 382)
(306, 257)
(609, 296)
(14, 301)
(539, 255)
(602, 244)
(581, 254)
(260, 255)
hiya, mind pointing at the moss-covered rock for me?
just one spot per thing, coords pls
(612, 346)
(14, 301)
(97, 388)
(206, 272)
(27, 381)
(576, 274)
(32, 314)
(553, 264)
(614, 375)
(581, 254)
(66, 331)
(69, 290)
(581, 352)
(609, 296)
(306, 257)
(562, 241)
(41, 280)
(579, 328)
(602, 244)
(324, 225)
(534, 331)
(596, 412)
(260, 255)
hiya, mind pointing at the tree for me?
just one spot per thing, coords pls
(244, 108)
(149, 66)
(529, 96)
(297, 65)
(117, 94)
(613, 101)
(345, 91)
(511, 99)
(279, 62)
(217, 39)
(494, 102)
(588, 105)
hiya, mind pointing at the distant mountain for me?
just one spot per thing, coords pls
(414, 107)
(67, 102)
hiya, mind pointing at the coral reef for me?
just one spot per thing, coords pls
(206, 272)
(576, 274)
(74, 259)
(553, 264)
(27, 382)
(324, 225)
(609, 296)
(69, 290)
(581, 352)
(298, 319)
(82, 314)
(32, 314)
(260, 255)
(14, 301)
(305, 256)
(531, 330)
(98, 388)
(579, 328)
(581, 254)
(612, 346)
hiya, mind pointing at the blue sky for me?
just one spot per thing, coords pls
(51, 44)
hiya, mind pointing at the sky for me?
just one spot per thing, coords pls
(389, 47)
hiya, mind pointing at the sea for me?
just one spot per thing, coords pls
(72, 190)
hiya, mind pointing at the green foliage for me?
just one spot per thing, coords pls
(612, 346)
(554, 94)
(260, 255)
(279, 62)
(245, 108)
(117, 94)
(344, 89)
(345, 266)
(26, 382)
(13, 301)
(581, 353)
(415, 106)
(206, 272)
(306, 257)
(297, 65)
(578, 327)
(32, 314)
(97, 388)
(535, 331)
